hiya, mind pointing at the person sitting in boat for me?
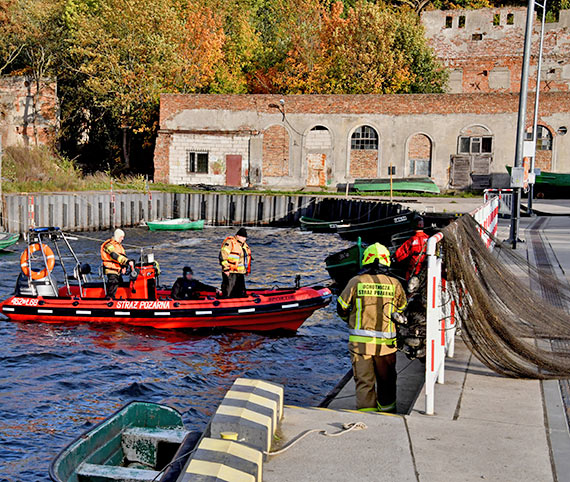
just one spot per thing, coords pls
(414, 249)
(188, 288)
(235, 258)
(115, 261)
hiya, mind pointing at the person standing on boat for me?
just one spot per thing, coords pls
(414, 249)
(367, 304)
(188, 288)
(235, 258)
(115, 261)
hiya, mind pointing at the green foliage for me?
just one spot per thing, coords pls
(113, 58)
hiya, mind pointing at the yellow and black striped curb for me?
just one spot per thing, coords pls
(273, 391)
(252, 409)
(223, 460)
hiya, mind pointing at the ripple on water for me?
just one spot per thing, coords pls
(57, 381)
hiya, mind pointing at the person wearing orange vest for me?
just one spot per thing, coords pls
(235, 258)
(415, 249)
(115, 261)
(367, 304)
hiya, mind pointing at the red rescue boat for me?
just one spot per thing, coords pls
(139, 302)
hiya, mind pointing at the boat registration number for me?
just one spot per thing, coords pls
(143, 305)
(25, 302)
(401, 219)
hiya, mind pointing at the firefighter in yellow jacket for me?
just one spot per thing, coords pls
(367, 304)
(235, 258)
(115, 261)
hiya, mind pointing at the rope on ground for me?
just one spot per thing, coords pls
(346, 427)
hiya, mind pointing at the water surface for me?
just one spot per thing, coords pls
(56, 381)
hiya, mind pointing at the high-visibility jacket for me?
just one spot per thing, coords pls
(234, 256)
(367, 304)
(113, 256)
(415, 249)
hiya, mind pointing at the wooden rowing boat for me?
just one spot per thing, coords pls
(179, 224)
(134, 444)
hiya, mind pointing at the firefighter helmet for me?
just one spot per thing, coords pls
(378, 252)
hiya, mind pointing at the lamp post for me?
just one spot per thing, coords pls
(515, 212)
(536, 97)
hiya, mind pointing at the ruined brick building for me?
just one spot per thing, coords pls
(461, 139)
(28, 116)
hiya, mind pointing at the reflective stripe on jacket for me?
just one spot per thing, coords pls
(113, 256)
(368, 302)
(415, 249)
(235, 257)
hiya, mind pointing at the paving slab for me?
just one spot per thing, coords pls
(379, 453)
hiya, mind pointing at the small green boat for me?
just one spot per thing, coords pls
(134, 444)
(8, 239)
(318, 225)
(179, 224)
(345, 264)
(413, 184)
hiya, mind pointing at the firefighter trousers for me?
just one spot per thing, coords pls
(375, 378)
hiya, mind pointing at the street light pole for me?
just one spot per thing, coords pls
(536, 97)
(515, 212)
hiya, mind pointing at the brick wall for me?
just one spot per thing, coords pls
(19, 123)
(404, 104)
(363, 163)
(543, 160)
(162, 157)
(484, 57)
(419, 147)
(275, 161)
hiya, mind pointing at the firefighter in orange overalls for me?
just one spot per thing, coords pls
(367, 304)
(235, 258)
(415, 249)
(115, 261)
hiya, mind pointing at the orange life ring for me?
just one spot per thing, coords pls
(50, 259)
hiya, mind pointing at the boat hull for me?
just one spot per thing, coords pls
(176, 225)
(275, 310)
(425, 185)
(8, 239)
(380, 230)
(318, 225)
(109, 445)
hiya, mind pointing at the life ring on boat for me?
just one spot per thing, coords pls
(49, 256)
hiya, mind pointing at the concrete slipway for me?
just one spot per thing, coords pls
(486, 426)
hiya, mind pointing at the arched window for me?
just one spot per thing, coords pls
(363, 138)
(475, 140)
(543, 138)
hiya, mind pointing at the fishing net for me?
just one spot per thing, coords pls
(506, 322)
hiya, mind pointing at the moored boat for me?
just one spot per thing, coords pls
(345, 264)
(406, 184)
(379, 230)
(179, 224)
(318, 225)
(8, 239)
(38, 297)
(135, 444)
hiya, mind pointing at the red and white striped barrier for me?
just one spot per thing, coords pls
(441, 321)
(505, 200)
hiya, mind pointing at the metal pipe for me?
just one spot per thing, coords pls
(515, 214)
(536, 98)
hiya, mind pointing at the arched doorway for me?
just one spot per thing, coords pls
(318, 149)
(364, 145)
(471, 166)
(419, 155)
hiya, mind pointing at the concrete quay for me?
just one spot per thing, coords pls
(486, 426)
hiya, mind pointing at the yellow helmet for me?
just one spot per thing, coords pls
(376, 251)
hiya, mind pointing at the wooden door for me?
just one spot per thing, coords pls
(460, 172)
(316, 175)
(233, 170)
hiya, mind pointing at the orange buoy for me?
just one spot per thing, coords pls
(49, 256)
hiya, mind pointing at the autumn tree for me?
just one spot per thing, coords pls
(370, 49)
